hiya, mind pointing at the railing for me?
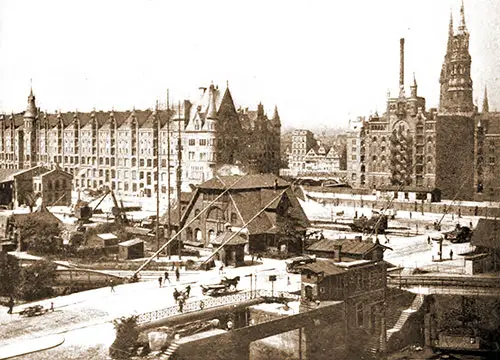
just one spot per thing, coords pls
(412, 280)
(212, 302)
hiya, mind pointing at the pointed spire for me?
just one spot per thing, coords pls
(462, 27)
(486, 106)
(450, 32)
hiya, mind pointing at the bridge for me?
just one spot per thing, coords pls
(443, 284)
(235, 344)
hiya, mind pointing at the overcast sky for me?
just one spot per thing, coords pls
(320, 62)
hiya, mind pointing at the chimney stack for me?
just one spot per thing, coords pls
(401, 62)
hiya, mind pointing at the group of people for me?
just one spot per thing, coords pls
(167, 278)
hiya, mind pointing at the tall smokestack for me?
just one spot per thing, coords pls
(401, 62)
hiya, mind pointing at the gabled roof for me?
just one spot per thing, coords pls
(222, 238)
(487, 234)
(255, 181)
(7, 174)
(60, 171)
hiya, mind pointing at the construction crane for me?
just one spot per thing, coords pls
(85, 212)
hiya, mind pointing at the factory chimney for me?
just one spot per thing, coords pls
(401, 62)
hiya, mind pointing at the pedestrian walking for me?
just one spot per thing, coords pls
(410, 214)
(259, 256)
(177, 274)
(173, 266)
(288, 282)
(10, 304)
(428, 240)
(166, 277)
(160, 280)
(451, 254)
(470, 225)
(112, 285)
(51, 306)
(188, 290)
(221, 269)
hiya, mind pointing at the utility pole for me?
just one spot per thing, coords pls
(179, 175)
(168, 174)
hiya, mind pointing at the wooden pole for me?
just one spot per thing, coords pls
(185, 226)
(169, 220)
(179, 175)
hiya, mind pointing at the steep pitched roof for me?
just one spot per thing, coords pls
(248, 182)
(487, 234)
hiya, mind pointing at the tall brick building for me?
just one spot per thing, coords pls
(118, 148)
(453, 148)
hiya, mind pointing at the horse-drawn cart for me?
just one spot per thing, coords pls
(35, 310)
(226, 286)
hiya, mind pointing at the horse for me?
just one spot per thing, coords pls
(176, 294)
(230, 282)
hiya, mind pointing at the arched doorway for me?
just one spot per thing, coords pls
(308, 292)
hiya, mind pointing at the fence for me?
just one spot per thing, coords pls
(448, 281)
(212, 302)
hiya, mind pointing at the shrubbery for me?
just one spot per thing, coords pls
(37, 281)
(126, 337)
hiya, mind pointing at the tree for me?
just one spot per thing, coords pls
(37, 280)
(126, 337)
(39, 231)
(10, 271)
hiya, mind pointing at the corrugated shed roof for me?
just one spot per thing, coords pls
(325, 267)
(487, 234)
(222, 238)
(248, 182)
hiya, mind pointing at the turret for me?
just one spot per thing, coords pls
(413, 87)
(212, 107)
(462, 28)
(31, 111)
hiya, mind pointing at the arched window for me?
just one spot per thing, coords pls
(211, 235)
(216, 214)
(189, 234)
(198, 235)
(197, 212)
(57, 187)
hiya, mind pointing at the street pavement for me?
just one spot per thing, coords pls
(86, 317)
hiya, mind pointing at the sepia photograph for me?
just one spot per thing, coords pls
(254, 180)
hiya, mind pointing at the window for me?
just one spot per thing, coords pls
(150, 162)
(191, 155)
(359, 315)
(203, 142)
(192, 142)
(141, 162)
(234, 218)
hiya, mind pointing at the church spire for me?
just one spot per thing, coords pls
(450, 31)
(462, 27)
(486, 106)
